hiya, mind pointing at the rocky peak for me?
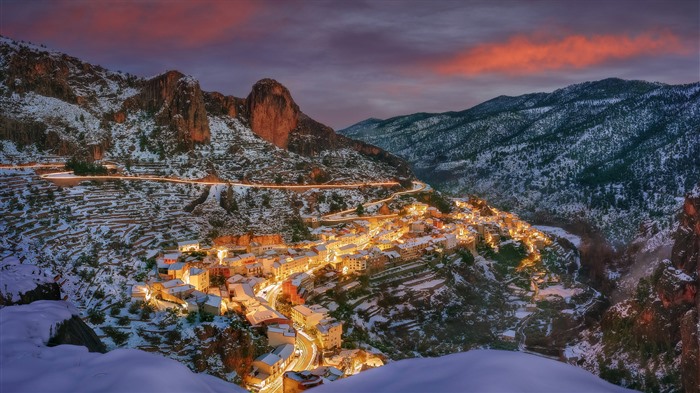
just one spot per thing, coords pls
(178, 102)
(272, 112)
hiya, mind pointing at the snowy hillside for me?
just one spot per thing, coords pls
(474, 371)
(25, 355)
(613, 152)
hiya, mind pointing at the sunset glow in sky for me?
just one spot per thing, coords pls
(345, 61)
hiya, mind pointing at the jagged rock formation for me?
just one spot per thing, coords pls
(271, 112)
(45, 75)
(178, 103)
(219, 104)
(67, 107)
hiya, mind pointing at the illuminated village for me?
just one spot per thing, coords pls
(273, 286)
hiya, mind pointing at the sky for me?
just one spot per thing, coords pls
(345, 61)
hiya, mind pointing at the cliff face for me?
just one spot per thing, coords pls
(219, 104)
(271, 112)
(76, 332)
(45, 75)
(178, 102)
(246, 239)
(686, 259)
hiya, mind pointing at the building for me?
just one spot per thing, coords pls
(188, 245)
(330, 332)
(308, 317)
(140, 291)
(268, 366)
(281, 334)
(297, 286)
(171, 258)
(213, 305)
(298, 381)
(199, 278)
(356, 262)
(176, 270)
(287, 266)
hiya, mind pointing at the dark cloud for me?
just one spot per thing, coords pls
(348, 60)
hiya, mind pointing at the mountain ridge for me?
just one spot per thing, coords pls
(180, 111)
(590, 144)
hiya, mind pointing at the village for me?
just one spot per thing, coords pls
(273, 285)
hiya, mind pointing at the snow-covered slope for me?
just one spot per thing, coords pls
(474, 371)
(25, 356)
(614, 152)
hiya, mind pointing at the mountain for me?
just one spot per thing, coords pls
(613, 153)
(52, 103)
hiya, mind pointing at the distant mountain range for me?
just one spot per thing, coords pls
(613, 152)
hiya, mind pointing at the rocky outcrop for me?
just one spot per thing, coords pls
(219, 104)
(177, 102)
(24, 132)
(246, 239)
(24, 284)
(274, 116)
(220, 351)
(41, 73)
(271, 112)
(76, 332)
(686, 260)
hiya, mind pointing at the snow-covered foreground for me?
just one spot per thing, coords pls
(28, 365)
(474, 371)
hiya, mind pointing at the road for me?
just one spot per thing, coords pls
(305, 345)
(342, 215)
(71, 176)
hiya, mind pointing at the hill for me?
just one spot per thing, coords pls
(614, 153)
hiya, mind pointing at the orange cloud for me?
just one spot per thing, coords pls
(143, 24)
(524, 55)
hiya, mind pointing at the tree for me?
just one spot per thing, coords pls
(360, 210)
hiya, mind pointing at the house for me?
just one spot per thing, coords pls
(140, 291)
(418, 227)
(308, 316)
(199, 278)
(356, 262)
(176, 270)
(172, 290)
(286, 266)
(221, 270)
(330, 332)
(171, 258)
(263, 314)
(213, 305)
(297, 286)
(299, 381)
(188, 245)
(268, 366)
(279, 334)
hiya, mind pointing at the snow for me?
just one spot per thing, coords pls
(28, 365)
(558, 232)
(559, 290)
(16, 279)
(474, 371)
